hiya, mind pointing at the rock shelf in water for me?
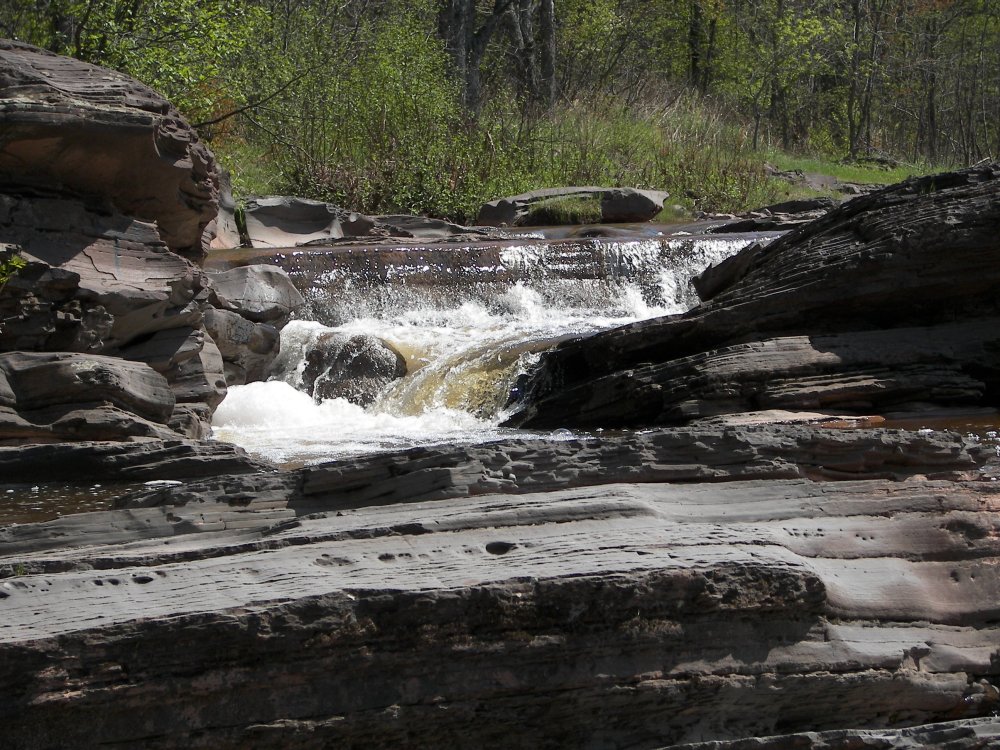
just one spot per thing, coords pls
(297, 610)
(887, 303)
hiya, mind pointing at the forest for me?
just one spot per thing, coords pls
(433, 106)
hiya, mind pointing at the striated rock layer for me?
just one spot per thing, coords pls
(289, 610)
(100, 133)
(886, 304)
(106, 194)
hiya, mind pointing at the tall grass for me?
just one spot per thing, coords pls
(384, 131)
(448, 166)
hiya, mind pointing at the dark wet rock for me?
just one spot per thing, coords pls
(271, 610)
(617, 204)
(169, 459)
(888, 302)
(259, 293)
(355, 368)
(99, 133)
(967, 734)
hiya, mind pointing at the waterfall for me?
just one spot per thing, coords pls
(468, 321)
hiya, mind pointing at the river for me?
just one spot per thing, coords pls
(468, 319)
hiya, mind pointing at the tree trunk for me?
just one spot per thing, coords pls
(547, 31)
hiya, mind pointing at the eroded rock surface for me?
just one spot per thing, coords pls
(888, 302)
(100, 133)
(637, 613)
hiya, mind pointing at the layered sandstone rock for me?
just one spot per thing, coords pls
(297, 610)
(100, 133)
(886, 304)
(106, 193)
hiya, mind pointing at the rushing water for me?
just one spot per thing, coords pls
(468, 321)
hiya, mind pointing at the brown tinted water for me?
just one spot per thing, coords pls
(33, 503)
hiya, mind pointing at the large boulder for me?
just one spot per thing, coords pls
(260, 293)
(354, 368)
(617, 205)
(888, 304)
(100, 133)
(47, 397)
(286, 221)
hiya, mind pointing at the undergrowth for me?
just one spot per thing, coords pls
(685, 148)
(563, 211)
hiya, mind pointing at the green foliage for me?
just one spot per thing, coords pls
(10, 263)
(358, 102)
(562, 211)
(186, 49)
(847, 172)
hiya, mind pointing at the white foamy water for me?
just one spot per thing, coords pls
(462, 359)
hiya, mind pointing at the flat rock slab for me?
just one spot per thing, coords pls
(639, 615)
(404, 601)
